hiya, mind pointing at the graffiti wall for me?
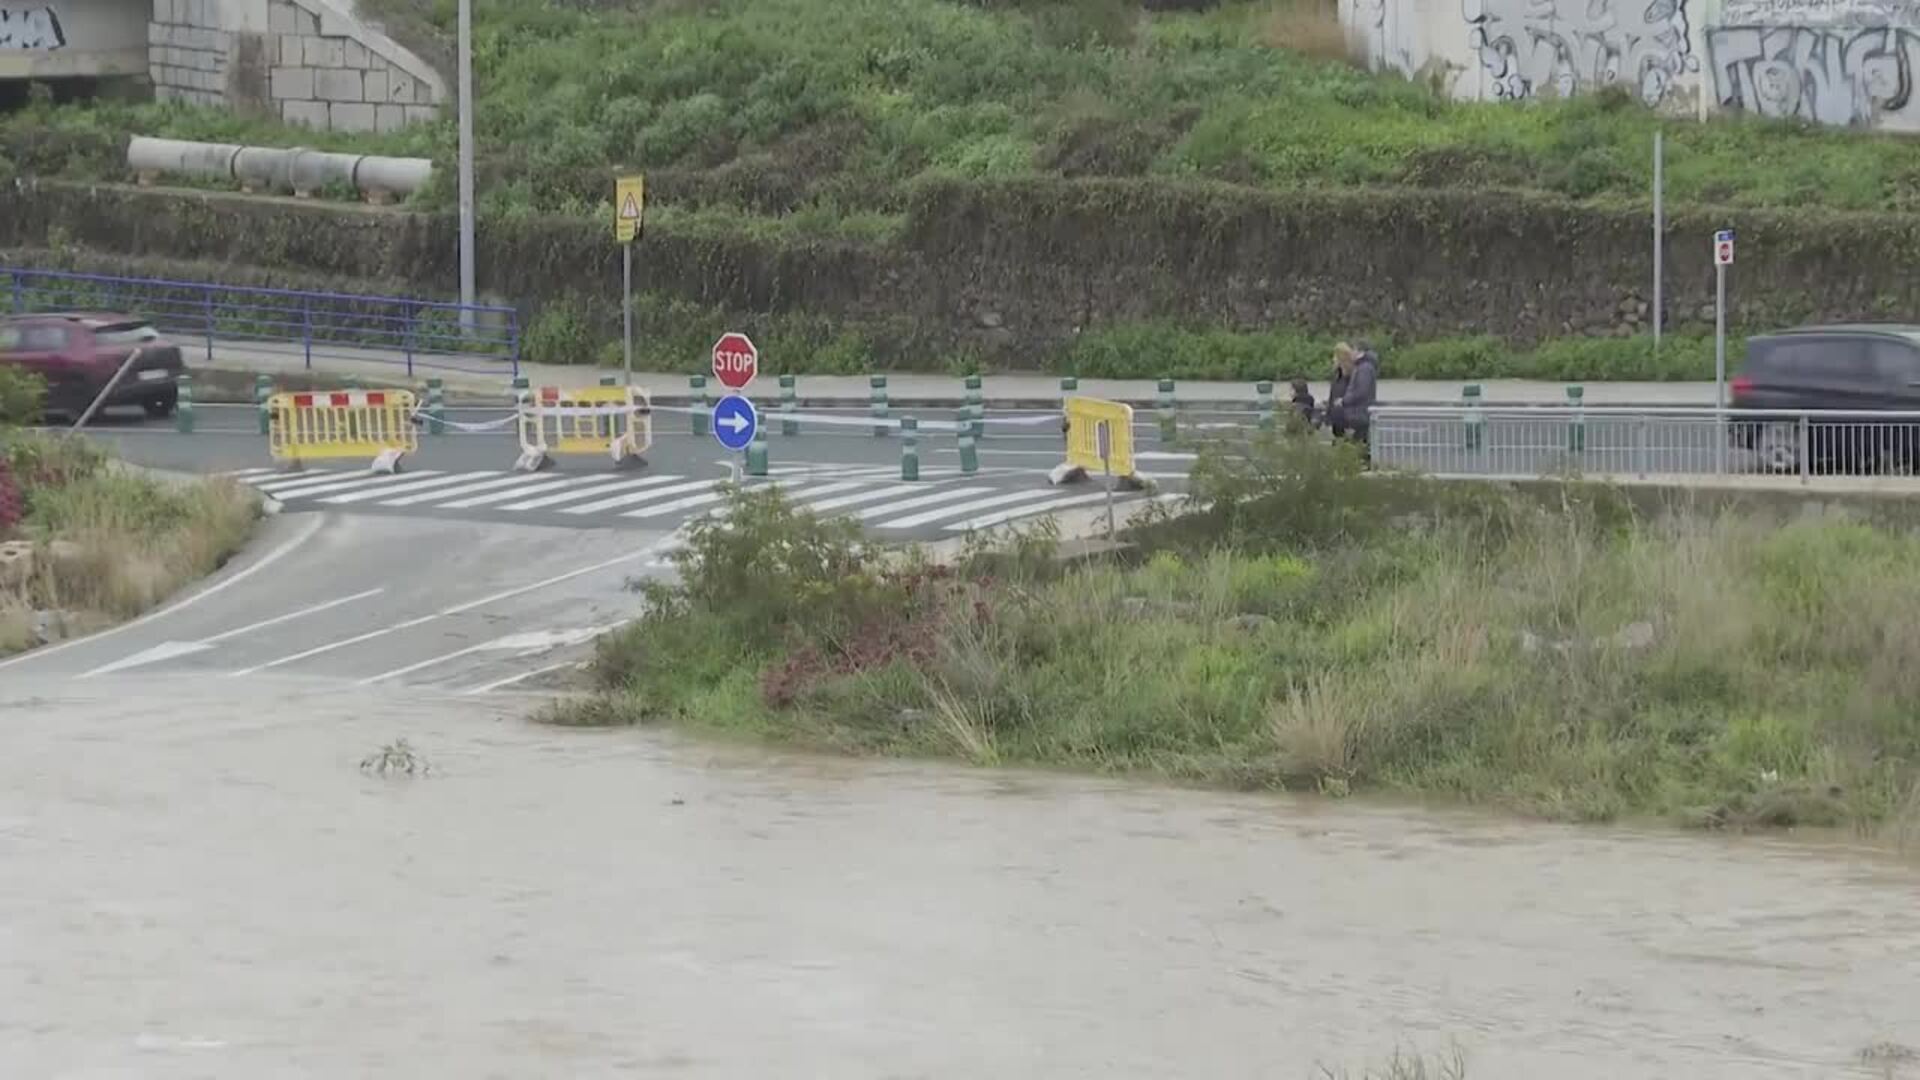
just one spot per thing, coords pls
(1841, 62)
(35, 28)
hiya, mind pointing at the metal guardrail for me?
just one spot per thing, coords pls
(1548, 441)
(286, 322)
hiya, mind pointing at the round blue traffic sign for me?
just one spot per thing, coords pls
(734, 421)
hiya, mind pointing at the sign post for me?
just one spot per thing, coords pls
(735, 421)
(1722, 258)
(629, 216)
(1103, 441)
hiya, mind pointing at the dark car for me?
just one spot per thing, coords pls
(77, 355)
(1855, 368)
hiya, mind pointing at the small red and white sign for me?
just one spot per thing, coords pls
(1723, 248)
(735, 360)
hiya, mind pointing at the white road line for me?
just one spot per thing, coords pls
(518, 483)
(256, 471)
(587, 493)
(987, 521)
(932, 516)
(223, 584)
(870, 495)
(638, 497)
(407, 484)
(283, 485)
(827, 489)
(948, 495)
(646, 552)
(688, 503)
(501, 684)
(378, 482)
(301, 613)
(547, 483)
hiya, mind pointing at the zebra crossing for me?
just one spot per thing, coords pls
(942, 501)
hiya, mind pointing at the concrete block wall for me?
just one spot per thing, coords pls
(309, 62)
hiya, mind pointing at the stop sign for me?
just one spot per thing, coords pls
(735, 360)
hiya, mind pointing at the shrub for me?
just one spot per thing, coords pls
(21, 394)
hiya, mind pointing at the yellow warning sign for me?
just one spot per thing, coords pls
(630, 207)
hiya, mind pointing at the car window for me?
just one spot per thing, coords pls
(125, 334)
(1896, 363)
(9, 338)
(41, 338)
(1816, 359)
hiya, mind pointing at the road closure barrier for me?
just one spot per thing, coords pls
(1099, 440)
(616, 421)
(373, 424)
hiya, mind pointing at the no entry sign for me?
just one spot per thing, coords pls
(735, 360)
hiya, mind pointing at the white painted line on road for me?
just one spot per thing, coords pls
(407, 483)
(987, 521)
(608, 484)
(518, 483)
(630, 498)
(830, 489)
(544, 482)
(309, 479)
(256, 471)
(533, 642)
(932, 516)
(217, 587)
(891, 492)
(948, 495)
(501, 684)
(378, 482)
(688, 503)
(167, 650)
(646, 552)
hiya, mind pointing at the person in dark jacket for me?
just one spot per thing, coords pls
(1343, 357)
(1358, 400)
(1303, 404)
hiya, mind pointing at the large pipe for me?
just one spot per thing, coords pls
(278, 169)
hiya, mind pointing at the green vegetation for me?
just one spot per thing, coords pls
(1317, 631)
(94, 543)
(833, 105)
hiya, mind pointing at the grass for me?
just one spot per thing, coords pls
(831, 107)
(1318, 632)
(110, 543)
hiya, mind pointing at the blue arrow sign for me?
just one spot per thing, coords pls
(734, 421)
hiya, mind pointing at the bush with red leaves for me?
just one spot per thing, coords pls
(910, 633)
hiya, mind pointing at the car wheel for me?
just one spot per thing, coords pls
(161, 407)
(1778, 448)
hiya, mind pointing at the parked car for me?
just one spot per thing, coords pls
(77, 355)
(1851, 368)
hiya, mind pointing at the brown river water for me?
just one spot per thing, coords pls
(199, 881)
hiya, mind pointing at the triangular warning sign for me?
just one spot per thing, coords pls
(630, 210)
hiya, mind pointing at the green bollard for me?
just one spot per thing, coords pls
(1577, 431)
(977, 406)
(522, 392)
(789, 406)
(262, 390)
(969, 455)
(183, 412)
(1169, 424)
(436, 407)
(757, 454)
(909, 448)
(1264, 391)
(1069, 386)
(877, 394)
(697, 397)
(1476, 424)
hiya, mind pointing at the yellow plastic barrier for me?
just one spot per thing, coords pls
(1094, 425)
(612, 420)
(376, 424)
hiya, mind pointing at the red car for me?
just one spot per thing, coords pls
(77, 355)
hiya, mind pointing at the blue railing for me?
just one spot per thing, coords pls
(244, 323)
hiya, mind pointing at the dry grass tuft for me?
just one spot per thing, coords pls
(1309, 27)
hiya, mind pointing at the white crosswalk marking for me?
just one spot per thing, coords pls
(359, 484)
(408, 484)
(948, 495)
(286, 482)
(987, 521)
(827, 489)
(631, 498)
(602, 488)
(687, 503)
(516, 482)
(870, 495)
(548, 482)
(945, 512)
(242, 474)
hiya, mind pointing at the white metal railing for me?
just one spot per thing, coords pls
(1558, 440)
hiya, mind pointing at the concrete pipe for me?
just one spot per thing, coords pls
(146, 155)
(275, 169)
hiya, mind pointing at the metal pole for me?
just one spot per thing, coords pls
(626, 307)
(1720, 364)
(101, 397)
(1659, 233)
(466, 166)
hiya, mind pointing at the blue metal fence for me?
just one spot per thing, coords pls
(312, 326)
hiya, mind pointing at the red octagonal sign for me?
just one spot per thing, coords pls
(735, 360)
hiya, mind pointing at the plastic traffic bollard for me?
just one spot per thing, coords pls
(789, 406)
(1476, 424)
(262, 390)
(1263, 390)
(757, 454)
(183, 413)
(697, 397)
(877, 396)
(1577, 430)
(969, 455)
(909, 448)
(976, 405)
(436, 407)
(1169, 425)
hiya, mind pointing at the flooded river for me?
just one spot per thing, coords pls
(195, 885)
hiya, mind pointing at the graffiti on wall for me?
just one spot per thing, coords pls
(1831, 75)
(1530, 48)
(30, 28)
(1800, 13)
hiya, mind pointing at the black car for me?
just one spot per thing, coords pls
(1850, 368)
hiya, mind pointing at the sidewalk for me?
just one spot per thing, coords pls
(1002, 391)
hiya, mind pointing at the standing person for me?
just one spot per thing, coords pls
(1362, 388)
(1343, 356)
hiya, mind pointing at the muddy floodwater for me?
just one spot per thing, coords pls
(197, 880)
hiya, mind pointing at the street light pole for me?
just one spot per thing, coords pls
(466, 165)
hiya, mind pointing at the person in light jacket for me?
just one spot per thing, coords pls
(1343, 357)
